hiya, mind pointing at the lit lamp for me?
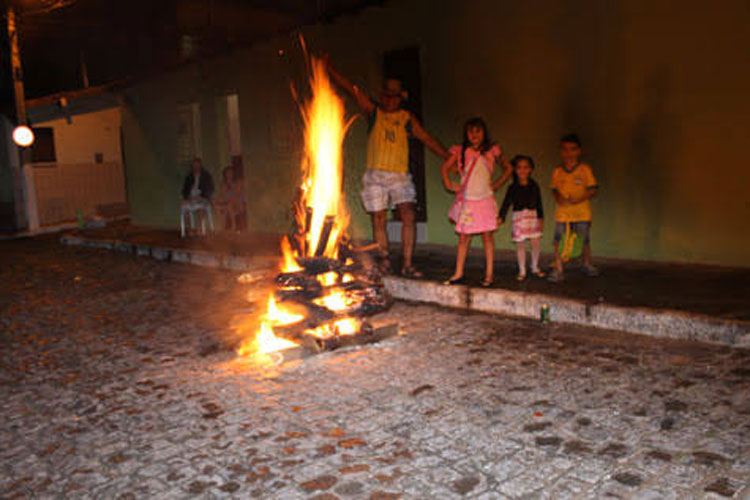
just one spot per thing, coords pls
(23, 136)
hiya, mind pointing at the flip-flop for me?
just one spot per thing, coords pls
(454, 281)
(411, 272)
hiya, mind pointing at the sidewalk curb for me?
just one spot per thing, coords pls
(664, 323)
(186, 256)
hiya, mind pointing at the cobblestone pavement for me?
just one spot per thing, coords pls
(118, 383)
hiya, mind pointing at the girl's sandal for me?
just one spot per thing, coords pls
(539, 274)
(454, 281)
(520, 277)
(487, 282)
(411, 272)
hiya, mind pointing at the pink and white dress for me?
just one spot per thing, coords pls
(475, 210)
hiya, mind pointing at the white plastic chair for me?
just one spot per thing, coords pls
(191, 209)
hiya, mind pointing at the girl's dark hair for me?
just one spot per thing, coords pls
(517, 159)
(486, 143)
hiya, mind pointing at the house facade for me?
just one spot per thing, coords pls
(656, 90)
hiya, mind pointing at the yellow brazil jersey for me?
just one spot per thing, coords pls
(573, 184)
(388, 144)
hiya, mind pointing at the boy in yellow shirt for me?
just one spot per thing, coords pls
(573, 185)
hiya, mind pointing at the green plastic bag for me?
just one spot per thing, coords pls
(571, 245)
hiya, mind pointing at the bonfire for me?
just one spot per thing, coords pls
(323, 291)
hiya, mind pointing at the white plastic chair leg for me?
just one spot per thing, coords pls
(210, 214)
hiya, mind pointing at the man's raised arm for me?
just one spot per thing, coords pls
(363, 100)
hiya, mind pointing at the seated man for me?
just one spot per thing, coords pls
(196, 195)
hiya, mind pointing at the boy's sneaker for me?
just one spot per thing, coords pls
(590, 270)
(555, 277)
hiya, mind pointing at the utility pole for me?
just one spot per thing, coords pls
(15, 65)
(13, 209)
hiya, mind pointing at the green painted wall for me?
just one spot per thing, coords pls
(656, 89)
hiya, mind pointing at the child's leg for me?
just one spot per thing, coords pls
(535, 249)
(559, 231)
(521, 254)
(584, 228)
(586, 254)
(489, 255)
(464, 240)
(558, 261)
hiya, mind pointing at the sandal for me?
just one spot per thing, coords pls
(487, 282)
(454, 281)
(384, 264)
(411, 272)
(538, 274)
(521, 277)
(555, 277)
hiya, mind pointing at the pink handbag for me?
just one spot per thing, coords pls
(458, 202)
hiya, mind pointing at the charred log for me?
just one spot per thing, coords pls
(366, 335)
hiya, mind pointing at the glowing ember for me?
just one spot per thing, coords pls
(334, 301)
(344, 326)
(289, 264)
(265, 341)
(278, 316)
(328, 279)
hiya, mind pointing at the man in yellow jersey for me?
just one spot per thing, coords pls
(387, 181)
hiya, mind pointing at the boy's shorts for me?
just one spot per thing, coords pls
(583, 228)
(379, 186)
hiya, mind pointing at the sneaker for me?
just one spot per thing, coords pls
(590, 270)
(555, 277)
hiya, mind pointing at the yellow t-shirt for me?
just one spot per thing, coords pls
(388, 144)
(573, 183)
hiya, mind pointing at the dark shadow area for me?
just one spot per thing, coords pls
(655, 135)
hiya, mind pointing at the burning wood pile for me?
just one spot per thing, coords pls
(325, 289)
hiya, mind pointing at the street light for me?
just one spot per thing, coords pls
(23, 136)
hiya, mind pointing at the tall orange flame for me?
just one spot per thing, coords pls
(321, 210)
(325, 129)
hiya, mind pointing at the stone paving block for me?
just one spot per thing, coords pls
(143, 250)
(114, 398)
(163, 254)
(237, 263)
(565, 488)
(205, 259)
(491, 495)
(182, 256)
(123, 246)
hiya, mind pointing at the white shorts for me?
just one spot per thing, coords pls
(380, 187)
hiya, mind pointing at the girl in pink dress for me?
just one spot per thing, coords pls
(474, 211)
